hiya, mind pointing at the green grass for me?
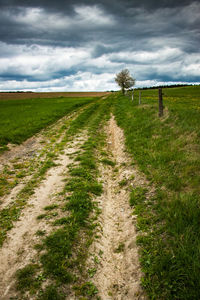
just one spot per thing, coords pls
(108, 162)
(26, 278)
(20, 119)
(167, 150)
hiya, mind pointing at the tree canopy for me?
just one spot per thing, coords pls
(124, 80)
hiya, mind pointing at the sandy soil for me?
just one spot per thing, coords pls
(118, 274)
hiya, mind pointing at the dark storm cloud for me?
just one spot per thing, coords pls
(137, 18)
(44, 40)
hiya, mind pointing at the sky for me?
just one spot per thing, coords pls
(72, 45)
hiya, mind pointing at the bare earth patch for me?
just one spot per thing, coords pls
(30, 95)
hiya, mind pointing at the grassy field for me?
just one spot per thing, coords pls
(20, 119)
(167, 150)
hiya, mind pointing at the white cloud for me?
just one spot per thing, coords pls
(143, 57)
(93, 15)
(42, 60)
(82, 81)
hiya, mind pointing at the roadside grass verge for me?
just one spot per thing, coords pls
(20, 119)
(62, 253)
(167, 150)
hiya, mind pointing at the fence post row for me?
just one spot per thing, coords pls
(139, 97)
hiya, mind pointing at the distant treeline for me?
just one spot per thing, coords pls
(160, 86)
(166, 86)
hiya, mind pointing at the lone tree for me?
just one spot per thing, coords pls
(124, 80)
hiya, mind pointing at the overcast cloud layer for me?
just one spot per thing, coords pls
(76, 45)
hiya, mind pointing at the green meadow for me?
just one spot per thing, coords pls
(20, 119)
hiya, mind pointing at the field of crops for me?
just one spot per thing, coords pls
(103, 203)
(31, 95)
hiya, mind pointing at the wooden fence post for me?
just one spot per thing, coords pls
(139, 97)
(132, 95)
(160, 102)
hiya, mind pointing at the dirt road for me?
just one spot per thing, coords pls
(114, 254)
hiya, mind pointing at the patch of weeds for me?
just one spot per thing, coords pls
(3, 148)
(81, 172)
(51, 215)
(3, 185)
(86, 289)
(42, 216)
(39, 247)
(123, 182)
(132, 177)
(21, 174)
(51, 293)
(51, 155)
(108, 162)
(18, 166)
(40, 232)
(137, 195)
(51, 207)
(96, 260)
(120, 248)
(104, 153)
(47, 165)
(84, 185)
(26, 278)
(62, 221)
(92, 272)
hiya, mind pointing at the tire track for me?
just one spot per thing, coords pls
(118, 273)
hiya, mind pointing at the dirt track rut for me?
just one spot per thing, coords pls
(118, 273)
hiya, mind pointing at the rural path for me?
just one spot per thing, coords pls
(114, 256)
